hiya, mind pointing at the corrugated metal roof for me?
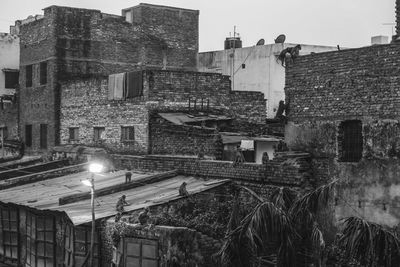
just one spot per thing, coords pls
(182, 118)
(44, 195)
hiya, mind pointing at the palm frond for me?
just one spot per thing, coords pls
(370, 243)
(313, 200)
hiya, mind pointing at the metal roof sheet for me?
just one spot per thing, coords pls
(182, 118)
(44, 195)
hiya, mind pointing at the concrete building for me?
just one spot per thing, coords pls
(9, 65)
(255, 68)
(70, 43)
(344, 110)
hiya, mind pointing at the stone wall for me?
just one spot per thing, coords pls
(84, 104)
(323, 90)
(168, 138)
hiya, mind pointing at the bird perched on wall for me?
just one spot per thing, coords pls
(182, 190)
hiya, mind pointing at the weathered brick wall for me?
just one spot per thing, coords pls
(179, 28)
(37, 103)
(175, 88)
(280, 171)
(168, 138)
(9, 119)
(84, 104)
(345, 84)
(397, 17)
(248, 106)
(362, 84)
(80, 43)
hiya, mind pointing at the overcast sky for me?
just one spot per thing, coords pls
(349, 23)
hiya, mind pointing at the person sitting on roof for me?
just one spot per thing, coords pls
(121, 203)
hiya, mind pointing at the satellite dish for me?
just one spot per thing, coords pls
(280, 39)
(261, 42)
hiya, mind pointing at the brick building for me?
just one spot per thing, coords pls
(68, 43)
(344, 109)
(90, 116)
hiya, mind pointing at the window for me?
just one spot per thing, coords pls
(9, 234)
(350, 141)
(43, 136)
(140, 252)
(128, 133)
(28, 76)
(74, 133)
(82, 245)
(28, 135)
(98, 132)
(3, 133)
(11, 79)
(43, 73)
(40, 240)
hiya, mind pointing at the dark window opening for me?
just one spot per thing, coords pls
(74, 133)
(28, 135)
(350, 141)
(43, 136)
(97, 133)
(3, 133)
(128, 133)
(28, 75)
(11, 79)
(43, 73)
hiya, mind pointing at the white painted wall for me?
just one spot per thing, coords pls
(262, 72)
(9, 58)
(264, 146)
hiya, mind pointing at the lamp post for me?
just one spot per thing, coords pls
(93, 168)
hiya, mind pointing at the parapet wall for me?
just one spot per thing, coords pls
(283, 170)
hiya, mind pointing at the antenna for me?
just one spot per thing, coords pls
(280, 39)
(390, 24)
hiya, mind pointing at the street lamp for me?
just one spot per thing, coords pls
(93, 168)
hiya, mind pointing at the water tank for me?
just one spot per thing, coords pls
(233, 42)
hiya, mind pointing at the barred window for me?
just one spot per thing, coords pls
(350, 141)
(128, 133)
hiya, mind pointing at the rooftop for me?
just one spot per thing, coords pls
(45, 195)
